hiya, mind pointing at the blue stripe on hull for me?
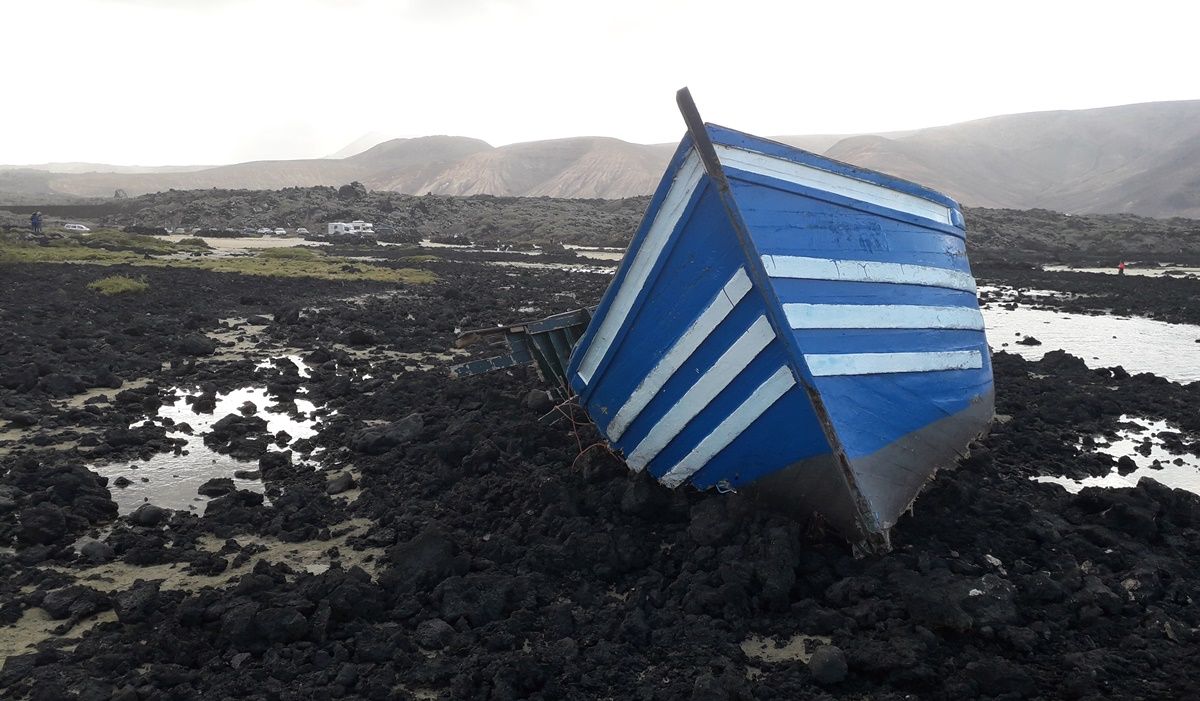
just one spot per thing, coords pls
(590, 344)
(882, 340)
(871, 411)
(693, 271)
(786, 223)
(797, 437)
(739, 321)
(786, 433)
(836, 292)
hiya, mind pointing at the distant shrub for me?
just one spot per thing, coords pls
(119, 241)
(193, 243)
(144, 230)
(291, 253)
(118, 285)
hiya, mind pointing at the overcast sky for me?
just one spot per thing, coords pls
(155, 82)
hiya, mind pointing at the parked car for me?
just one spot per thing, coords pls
(180, 230)
(75, 227)
(264, 231)
(302, 231)
(280, 231)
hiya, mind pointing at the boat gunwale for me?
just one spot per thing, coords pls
(740, 139)
(586, 388)
(834, 198)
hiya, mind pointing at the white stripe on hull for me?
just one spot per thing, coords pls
(733, 426)
(716, 378)
(881, 316)
(805, 268)
(716, 311)
(835, 364)
(669, 214)
(808, 176)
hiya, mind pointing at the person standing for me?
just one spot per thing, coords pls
(1121, 268)
(35, 222)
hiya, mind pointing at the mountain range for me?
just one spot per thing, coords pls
(1142, 159)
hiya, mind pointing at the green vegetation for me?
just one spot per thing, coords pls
(321, 267)
(278, 262)
(292, 253)
(118, 285)
(118, 241)
(14, 250)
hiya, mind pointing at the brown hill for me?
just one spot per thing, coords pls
(375, 167)
(1134, 158)
(1142, 159)
(586, 167)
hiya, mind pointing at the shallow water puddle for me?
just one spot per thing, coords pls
(1003, 293)
(36, 626)
(301, 366)
(1153, 460)
(1151, 270)
(569, 267)
(1135, 343)
(596, 252)
(170, 480)
(313, 557)
(590, 252)
(238, 339)
(798, 649)
(76, 401)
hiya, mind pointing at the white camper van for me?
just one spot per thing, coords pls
(357, 227)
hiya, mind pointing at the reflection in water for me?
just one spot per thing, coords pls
(569, 267)
(301, 366)
(172, 479)
(1151, 270)
(1137, 344)
(1153, 460)
(590, 252)
(596, 252)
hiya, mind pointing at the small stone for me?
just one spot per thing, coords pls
(377, 440)
(41, 525)
(339, 484)
(434, 634)
(137, 604)
(148, 515)
(197, 345)
(538, 400)
(216, 487)
(75, 600)
(96, 551)
(828, 665)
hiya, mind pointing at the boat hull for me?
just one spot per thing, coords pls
(792, 326)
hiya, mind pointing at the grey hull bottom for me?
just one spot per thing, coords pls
(886, 482)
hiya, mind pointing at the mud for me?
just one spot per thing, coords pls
(480, 553)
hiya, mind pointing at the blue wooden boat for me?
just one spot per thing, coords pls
(793, 326)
